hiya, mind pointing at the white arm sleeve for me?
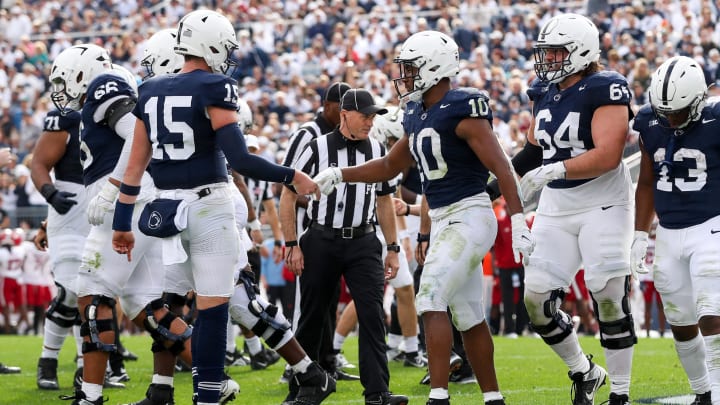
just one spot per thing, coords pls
(125, 128)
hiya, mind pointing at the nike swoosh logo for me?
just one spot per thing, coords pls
(714, 231)
(605, 208)
(453, 222)
(444, 105)
(581, 88)
(705, 121)
(324, 387)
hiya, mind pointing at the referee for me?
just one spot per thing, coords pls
(325, 121)
(341, 241)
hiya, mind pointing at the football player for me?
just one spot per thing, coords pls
(58, 150)
(449, 135)
(187, 121)
(83, 79)
(580, 119)
(679, 176)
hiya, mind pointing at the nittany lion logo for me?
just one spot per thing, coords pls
(155, 220)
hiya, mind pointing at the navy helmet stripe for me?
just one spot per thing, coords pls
(667, 80)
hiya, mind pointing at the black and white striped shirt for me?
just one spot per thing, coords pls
(260, 191)
(306, 133)
(351, 204)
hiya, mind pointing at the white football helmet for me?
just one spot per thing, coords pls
(388, 126)
(245, 116)
(159, 58)
(72, 71)
(434, 55)
(573, 33)
(677, 85)
(208, 35)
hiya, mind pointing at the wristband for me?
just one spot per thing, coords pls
(393, 247)
(423, 237)
(407, 209)
(278, 243)
(122, 220)
(290, 243)
(129, 190)
(255, 225)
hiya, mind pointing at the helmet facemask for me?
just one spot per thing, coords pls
(410, 71)
(558, 68)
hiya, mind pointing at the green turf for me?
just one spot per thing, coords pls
(528, 372)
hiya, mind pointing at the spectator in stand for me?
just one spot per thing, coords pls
(512, 276)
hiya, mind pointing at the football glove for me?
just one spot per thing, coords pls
(638, 251)
(328, 179)
(102, 203)
(522, 240)
(61, 201)
(534, 180)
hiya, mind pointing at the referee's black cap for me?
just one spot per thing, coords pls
(362, 101)
(335, 92)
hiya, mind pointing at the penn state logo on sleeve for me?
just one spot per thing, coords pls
(55, 121)
(219, 91)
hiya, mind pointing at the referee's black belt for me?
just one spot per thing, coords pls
(343, 233)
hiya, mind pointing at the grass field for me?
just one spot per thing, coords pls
(528, 372)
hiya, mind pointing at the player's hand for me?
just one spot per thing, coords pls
(638, 250)
(123, 243)
(421, 250)
(62, 201)
(303, 184)
(400, 206)
(522, 240)
(40, 240)
(392, 265)
(534, 180)
(294, 259)
(327, 179)
(102, 203)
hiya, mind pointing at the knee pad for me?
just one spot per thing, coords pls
(92, 327)
(175, 303)
(263, 318)
(546, 318)
(63, 309)
(160, 330)
(617, 329)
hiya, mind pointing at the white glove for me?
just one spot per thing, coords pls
(522, 240)
(536, 179)
(102, 203)
(328, 179)
(638, 250)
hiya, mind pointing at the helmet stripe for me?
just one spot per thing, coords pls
(667, 80)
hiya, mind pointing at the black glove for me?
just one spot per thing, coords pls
(61, 201)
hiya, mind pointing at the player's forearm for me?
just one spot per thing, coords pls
(386, 218)
(272, 218)
(425, 222)
(287, 214)
(374, 171)
(592, 163)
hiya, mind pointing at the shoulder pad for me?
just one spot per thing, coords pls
(606, 87)
(467, 102)
(219, 91)
(713, 104)
(109, 85)
(537, 89)
(643, 118)
(54, 121)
